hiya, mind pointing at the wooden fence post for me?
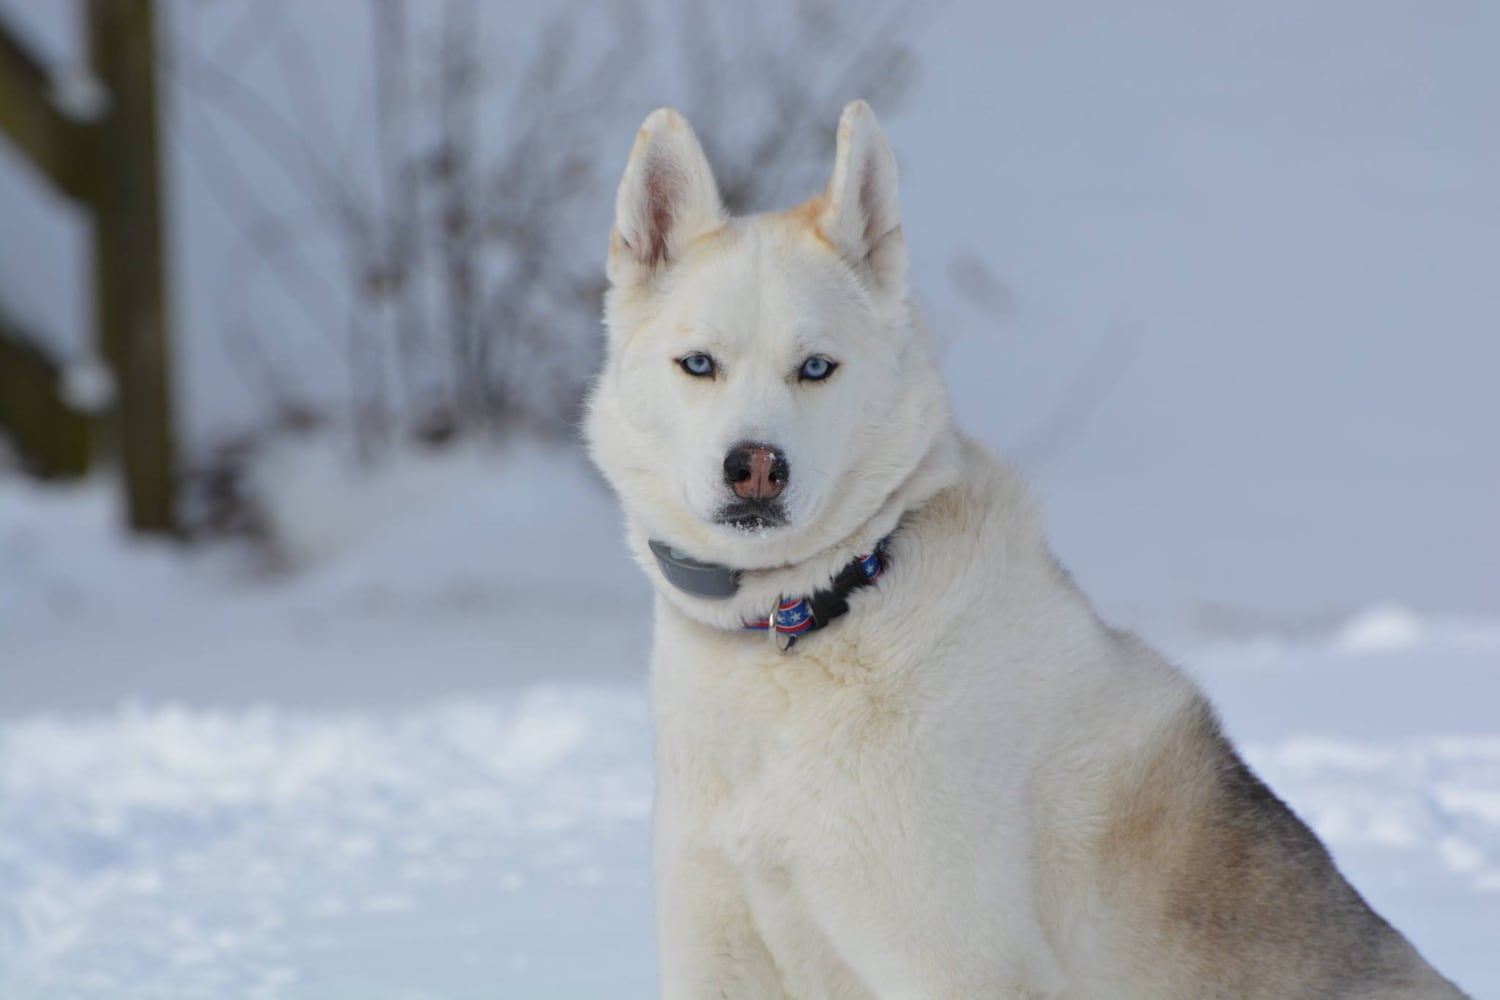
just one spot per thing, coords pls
(129, 275)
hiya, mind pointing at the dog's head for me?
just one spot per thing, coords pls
(766, 388)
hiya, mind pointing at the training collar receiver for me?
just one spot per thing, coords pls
(692, 576)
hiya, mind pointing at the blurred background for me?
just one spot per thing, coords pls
(321, 661)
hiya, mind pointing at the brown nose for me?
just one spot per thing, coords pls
(755, 471)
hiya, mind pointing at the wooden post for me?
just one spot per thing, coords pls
(129, 275)
(53, 436)
(49, 139)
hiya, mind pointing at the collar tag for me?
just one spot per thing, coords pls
(794, 617)
(701, 579)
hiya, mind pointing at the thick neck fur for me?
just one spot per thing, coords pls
(761, 589)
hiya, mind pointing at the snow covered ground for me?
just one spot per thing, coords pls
(419, 767)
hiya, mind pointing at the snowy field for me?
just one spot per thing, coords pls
(409, 769)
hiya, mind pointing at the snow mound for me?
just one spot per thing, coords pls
(1381, 629)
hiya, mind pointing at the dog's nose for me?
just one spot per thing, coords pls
(756, 471)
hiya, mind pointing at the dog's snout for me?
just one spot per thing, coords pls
(756, 471)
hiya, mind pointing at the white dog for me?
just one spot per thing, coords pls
(897, 753)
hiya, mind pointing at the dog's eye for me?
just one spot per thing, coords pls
(697, 365)
(816, 369)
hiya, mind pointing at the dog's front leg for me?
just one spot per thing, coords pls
(707, 944)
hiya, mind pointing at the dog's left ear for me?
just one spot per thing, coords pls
(667, 199)
(863, 217)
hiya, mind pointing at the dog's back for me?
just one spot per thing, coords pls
(1213, 887)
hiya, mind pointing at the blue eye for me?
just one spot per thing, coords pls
(816, 369)
(697, 365)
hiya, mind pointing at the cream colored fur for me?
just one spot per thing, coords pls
(968, 786)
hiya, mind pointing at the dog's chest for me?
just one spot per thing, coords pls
(784, 756)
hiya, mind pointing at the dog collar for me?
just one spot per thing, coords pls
(798, 616)
(793, 617)
(692, 576)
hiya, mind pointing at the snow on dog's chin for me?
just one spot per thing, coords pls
(720, 515)
(735, 532)
(749, 517)
(748, 521)
(785, 518)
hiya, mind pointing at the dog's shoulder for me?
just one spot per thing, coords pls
(986, 511)
(974, 558)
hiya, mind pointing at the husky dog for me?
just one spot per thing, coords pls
(897, 753)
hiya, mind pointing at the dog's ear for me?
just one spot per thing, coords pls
(667, 199)
(863, 217)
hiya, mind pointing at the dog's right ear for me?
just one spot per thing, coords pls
(862, 217)
(667, 199)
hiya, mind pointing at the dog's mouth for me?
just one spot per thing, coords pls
(752, 515)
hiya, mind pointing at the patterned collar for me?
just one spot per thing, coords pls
(793, 617)
(797, 616)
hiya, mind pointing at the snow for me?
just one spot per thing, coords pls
(88, 385)
(460, 849)
(79, 94)
(402, 768)
(1388, 627)
(417, 764)
(474, 569)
